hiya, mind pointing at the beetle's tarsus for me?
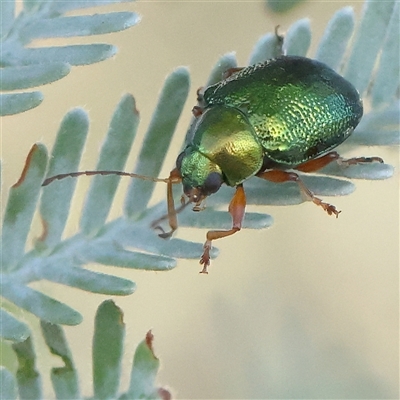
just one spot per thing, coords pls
(166, 235)
(359, 160)
(329, 208)
(204, 270)
(205, 258)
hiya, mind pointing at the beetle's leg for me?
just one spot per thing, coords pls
(358, 160)
(236, 209)
(174, 178)
(197, 111)
(200, 94)
(318, 163)
(279, 176)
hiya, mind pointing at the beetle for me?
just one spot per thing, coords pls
(267, 120)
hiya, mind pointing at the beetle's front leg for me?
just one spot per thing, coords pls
(236, 209)
(174, 178)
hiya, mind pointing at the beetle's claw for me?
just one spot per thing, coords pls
(330, 209)
(359, 160)
(205, 258)
(163, 234)
(204, 270)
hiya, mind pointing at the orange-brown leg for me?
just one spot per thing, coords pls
(280, 176)
(174, 178)
(236, 209)
(359, 160)
(318, 163)
(197, 111)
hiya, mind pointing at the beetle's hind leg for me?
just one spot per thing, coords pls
(313, 165)
(236, 209)
(279, 176)
(320, 162)
(358, 160)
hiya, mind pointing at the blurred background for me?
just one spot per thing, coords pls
(306, 309)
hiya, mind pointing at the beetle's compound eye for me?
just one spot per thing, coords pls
(212, 183)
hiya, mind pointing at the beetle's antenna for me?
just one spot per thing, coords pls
(174, 178)
(90, 173)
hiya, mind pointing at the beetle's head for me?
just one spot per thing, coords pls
(200, 176)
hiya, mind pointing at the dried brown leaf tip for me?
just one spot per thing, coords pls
(164, 394)
(149, 342)
(28, 161)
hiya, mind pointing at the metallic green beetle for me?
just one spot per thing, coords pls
(285, 114)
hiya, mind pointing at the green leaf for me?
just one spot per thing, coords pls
(268, 46)
(211, 219)
(8, 387)
(337, 34)
(113, 155)
(7, 13)
(94, 282)
(384, 88)
(68, 5)
(28, 378)
(157, 139)
(64, 379)
(298, 38)
(112, 255)
(373, 171)
(12, 329)
(26, 67)
(226, 62)
(144, 371)
(369, 38)
(56, 198)
(109, 333)
(21, 206)
(80, 54)
(39, 304)
(378, 128)
(14, 103)
(14, 78)
(108, 350)
(112, 242)
(84, 25)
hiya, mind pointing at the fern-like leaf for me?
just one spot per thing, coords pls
(25, 67)
(128, 241)
(107, 352)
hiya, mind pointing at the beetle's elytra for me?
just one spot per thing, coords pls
(265, 120)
